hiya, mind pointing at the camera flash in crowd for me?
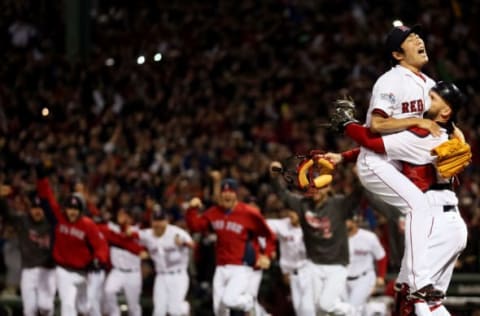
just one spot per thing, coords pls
(397, 23)
(45, 112)
(109, 62)
(157, 57)
(141, 60)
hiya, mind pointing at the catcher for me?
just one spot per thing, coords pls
(430, 163)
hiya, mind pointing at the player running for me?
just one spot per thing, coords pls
(169, 247)
(364, 249)
(125, 257)
(79, 247)
(35, 230)
(292, 253)
(236, 225)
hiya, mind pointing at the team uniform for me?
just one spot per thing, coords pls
(400, 93)
(126, 274)
(324, 276)
(235, 255)
(171, 264)
(292, 255)
(413, 148)
(38, 284)
(77, 246)
(364, 250)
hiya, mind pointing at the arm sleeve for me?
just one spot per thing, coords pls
(45, 192)
(384, 97)
(382, 267)
(263, 230)
(274, 225)
(292, 200)
(364, 137)
(98, 242)
(350, 155)
(186, 239)
(196, 222)
(129, 243)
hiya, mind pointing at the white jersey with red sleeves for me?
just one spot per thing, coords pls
(165, 253)
(412, 145)
(400, 93)
(364, 250)
(292, 247)
(121, 258)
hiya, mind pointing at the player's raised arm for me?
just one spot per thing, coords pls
(196, 222)
(292, 200)
(45, 192)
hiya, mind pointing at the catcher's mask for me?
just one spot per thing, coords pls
(312, 171)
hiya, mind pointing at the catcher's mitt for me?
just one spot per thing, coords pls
(343, 114)
(452, 157)
(312, 171)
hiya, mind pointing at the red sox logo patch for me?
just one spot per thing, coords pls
(322, 224)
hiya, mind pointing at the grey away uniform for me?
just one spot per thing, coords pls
(326, 242)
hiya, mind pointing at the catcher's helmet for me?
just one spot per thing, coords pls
(451, 94)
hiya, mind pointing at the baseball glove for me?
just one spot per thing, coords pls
(452, 157)
(343, 114)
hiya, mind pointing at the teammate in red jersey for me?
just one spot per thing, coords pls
(79, 247)
(236, 225)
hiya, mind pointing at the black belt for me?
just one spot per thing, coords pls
(351, 278)
(441, 187)
(171, 272)
(449, 208)
(127, 270)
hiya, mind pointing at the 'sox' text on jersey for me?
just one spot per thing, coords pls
(71, 231)
(413, 106)
(227, 225)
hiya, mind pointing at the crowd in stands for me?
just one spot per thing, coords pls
(233, 86)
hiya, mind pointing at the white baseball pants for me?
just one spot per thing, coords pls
(95, 281)
(169, 293)
(387, 183)
(231, 289)
(327, 284)
(72, 290)
(360, 289)
(131, 284)
(447, 240)
(300, 289)
(38, 286)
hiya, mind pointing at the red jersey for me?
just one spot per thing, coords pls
(236, 231)
(76, 244)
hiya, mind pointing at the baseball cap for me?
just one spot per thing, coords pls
(158, 213)
(74, 201)
(229, 184)
(398, 34)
